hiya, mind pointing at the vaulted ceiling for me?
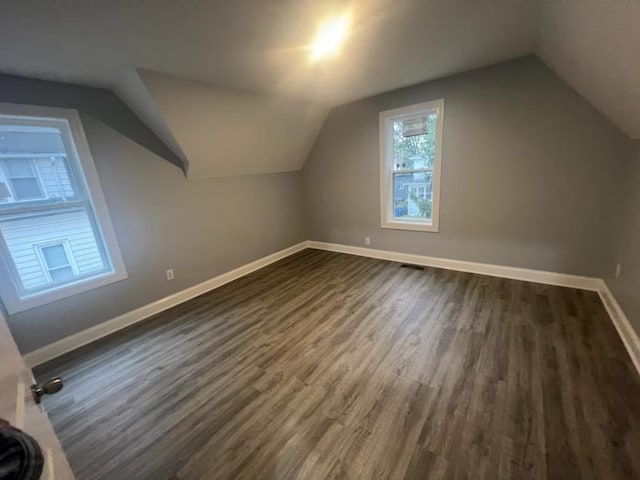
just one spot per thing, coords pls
(595, 46)
(228, 85)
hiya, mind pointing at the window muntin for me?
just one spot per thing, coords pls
(61, 241)
(410, 146)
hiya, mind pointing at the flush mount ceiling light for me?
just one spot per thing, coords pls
(330, 37)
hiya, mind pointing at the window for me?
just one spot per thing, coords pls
(56, 259)
(410, 165)
(56, 238)
(22, 177)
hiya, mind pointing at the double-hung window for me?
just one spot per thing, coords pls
(410, 166)
(56, 238)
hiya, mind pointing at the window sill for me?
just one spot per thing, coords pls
(17, 305)
(413, 226)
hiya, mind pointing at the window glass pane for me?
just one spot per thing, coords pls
(37, 155)
(413, 195)
(414, 142)
(55, 256)
(61, 274)
(23, 234)
(26, 188)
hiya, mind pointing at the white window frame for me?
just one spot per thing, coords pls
(13, 301)
(386, 119)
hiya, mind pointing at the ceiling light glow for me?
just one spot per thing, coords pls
(330, 37)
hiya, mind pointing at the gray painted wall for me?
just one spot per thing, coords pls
(626, 242)
(529, 172)
(201, 228)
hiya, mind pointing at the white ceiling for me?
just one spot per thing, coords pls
(246, 47)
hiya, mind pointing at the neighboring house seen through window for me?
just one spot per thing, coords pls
(56, 237)
(410, 165)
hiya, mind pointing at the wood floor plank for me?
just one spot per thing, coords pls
(331, 366)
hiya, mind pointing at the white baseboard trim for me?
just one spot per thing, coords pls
(84, 337)
(626, 331)
(514, 273)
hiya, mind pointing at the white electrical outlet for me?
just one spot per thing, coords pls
(367, 240)
(170, 274)
(618, 270)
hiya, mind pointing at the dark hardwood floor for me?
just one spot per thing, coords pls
(330, 366)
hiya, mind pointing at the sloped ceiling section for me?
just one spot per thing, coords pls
(134, 93)
(258, 47)
(594, 45)
(97, 102)
(261, 49)
(224, 132)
